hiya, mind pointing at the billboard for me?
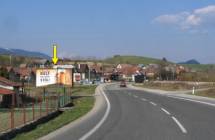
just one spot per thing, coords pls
(64, 76)
(46, 77)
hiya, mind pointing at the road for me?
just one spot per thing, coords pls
(139, 115)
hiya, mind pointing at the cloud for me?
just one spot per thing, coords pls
(171, 18)
(205, 10)
(197, 19)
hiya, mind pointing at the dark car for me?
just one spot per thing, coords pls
(122, 84)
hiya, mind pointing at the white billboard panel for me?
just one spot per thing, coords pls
(46, 77)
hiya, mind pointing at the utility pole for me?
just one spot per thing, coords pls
(89, 74)
(173, 74)
(10, 60)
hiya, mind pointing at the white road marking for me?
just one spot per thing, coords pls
(180, 125)
(135, 96)
(154, 104)
(201, 102)
(88, 134)
(143, 99)
(164, 110)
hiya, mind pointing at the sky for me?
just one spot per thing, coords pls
(176, 29)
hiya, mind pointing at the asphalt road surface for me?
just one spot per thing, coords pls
(138, 115)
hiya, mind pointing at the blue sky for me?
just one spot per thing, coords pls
(176, 29)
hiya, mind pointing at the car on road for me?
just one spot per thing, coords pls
(123, 84)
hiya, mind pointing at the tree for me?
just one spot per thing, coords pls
(4, 73)
(116, 56)
(164, 59)
(47, 63)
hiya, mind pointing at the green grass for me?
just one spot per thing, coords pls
(132, 60)
(200, 67)
(206, 76)
(81, 107)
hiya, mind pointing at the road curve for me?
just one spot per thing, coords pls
(79, 128)
(139, 115)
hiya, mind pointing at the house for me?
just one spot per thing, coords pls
(122, 66)
(151, 71)
(4, 94)
(13, 76)
(83, 69)
(128, 72)
(141, 66)
(81, 72)
(180, 69)
(26, 74)
(108, 71)
(9, 92)
(23, 65)
(96, 72)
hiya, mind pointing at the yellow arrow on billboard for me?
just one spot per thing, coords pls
(54, 58)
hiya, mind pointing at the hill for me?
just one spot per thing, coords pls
(24, 53)
(8, 60)
(117, 59)
(192, 61)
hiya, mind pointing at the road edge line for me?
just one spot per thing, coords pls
(164, 110)
(192, 100)
(95, 128)
(180, 125)
(154, 104)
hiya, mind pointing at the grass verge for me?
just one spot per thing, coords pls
(171, 86)
(81, 106)
(180, 86)
(206, 93)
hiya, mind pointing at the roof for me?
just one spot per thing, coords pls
(121, 66)
(23, 65)
(63, 66)
(108, 70)
(83, 68)
(24, 71)
(129, 70)
(97, 68)
(4, 91)
(7, 82)
(9, 68)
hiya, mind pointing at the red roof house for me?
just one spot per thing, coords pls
(4, 91)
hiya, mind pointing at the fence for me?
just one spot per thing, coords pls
(35, 103)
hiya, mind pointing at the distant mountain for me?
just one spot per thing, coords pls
(20, 52)
(192, 61)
